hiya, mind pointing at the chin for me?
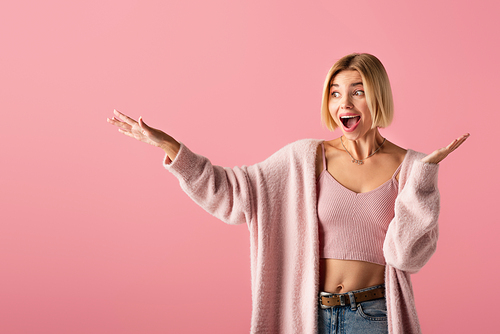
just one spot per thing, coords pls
(358, 133)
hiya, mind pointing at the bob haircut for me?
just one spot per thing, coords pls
(376, 85)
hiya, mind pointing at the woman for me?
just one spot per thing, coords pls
(346, 220)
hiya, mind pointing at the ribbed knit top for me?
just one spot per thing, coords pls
(352, 226)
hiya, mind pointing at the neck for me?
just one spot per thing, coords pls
(362, 147)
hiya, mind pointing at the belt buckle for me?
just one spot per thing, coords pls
(324, 294)
(342, 300)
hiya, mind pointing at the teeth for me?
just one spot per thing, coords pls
(349, 116)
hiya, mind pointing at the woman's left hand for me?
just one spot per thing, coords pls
(438, 155)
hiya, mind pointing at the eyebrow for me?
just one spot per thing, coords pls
(352, 85)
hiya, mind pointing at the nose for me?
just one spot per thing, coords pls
(345, 102)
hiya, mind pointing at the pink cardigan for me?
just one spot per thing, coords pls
(277, 200)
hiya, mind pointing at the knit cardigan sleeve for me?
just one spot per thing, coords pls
(223, 192)
(237, 195)
(412, 235)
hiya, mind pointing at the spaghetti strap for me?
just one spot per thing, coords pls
(324, 155)
(397, 170)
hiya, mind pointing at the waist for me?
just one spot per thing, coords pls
(340, 276)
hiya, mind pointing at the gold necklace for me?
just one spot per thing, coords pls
(360, 162)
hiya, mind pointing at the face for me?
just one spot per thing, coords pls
(348, 106)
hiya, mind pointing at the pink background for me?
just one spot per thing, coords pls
(96, 237)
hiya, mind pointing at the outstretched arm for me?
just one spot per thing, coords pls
(143, 132)
(438, 155)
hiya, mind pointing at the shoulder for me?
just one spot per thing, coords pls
(415, 155)
(300, 155)
(303, 145)
(299, 149)
(333, 148)
(410, 158)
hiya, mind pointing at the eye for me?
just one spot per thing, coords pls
(335, 94)
(359, 93)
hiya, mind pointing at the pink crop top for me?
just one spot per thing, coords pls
(352, 226)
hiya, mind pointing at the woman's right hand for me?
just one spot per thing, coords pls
(143, 132)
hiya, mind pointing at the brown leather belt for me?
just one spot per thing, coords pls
(343, 299)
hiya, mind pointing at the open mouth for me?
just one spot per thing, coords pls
(349, 121)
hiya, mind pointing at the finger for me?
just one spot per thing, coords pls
(143, 124)
(118, 123)
(129, 134)
(457, 142)
(122, 124)
(452, 145)
(146, 129)
(464, 137)
(125, 118)
(114, 121)
(461, 140)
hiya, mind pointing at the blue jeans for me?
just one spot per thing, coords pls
(353, 318)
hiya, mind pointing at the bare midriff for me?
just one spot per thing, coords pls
(340, 276)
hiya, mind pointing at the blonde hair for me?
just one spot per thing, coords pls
(375, 82)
